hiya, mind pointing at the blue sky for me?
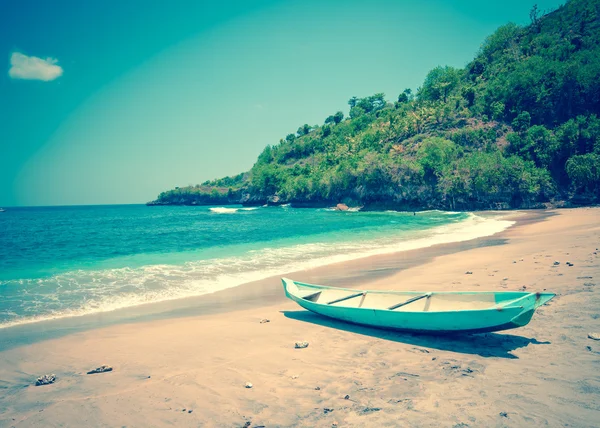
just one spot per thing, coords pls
(115, 101)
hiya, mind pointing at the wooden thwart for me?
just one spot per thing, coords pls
(414, 299)
(352, 296)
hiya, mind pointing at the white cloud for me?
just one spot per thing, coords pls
(33, 68)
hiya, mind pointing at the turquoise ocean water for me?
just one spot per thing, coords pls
(60, 262)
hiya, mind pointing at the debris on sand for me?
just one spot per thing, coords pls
(569, 264)
(504, 414)
(346, 397)
(327, 410)
(594, 336)
(468, 272)
(102, 369)
(556, 263)
(249, 385)
(45, 380)
(301, 345)
(264, 320)
(370, 410)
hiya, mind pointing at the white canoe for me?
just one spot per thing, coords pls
(432, 312)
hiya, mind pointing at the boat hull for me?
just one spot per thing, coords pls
(496, 318)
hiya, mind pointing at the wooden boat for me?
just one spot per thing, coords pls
(432, 312)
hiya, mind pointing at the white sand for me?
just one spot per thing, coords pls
(545, 374)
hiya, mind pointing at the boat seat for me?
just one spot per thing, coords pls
(411, 300)
(352, 296)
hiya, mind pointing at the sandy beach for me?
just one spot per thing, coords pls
(188, 363)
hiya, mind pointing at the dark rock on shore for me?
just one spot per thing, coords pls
(102, 369)
(45, 380)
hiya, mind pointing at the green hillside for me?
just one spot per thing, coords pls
(517, 127)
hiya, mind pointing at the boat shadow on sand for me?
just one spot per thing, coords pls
(499, 345)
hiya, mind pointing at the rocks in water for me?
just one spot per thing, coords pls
(556, 263)
(301, 345)
(341, 207)
(102, 369)
(45, 380)
(594, 336)
(249, 385)
(468, 272)
(264, 320)
(273, 200)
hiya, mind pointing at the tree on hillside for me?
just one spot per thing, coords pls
(304, 130)
(439, 83)
(338, 117)
(584, 171)
(405, 96)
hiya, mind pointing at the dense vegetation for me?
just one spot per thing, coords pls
(518, 126)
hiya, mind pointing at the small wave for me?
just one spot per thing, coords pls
(439, 212)
(249, 209)
(223, 210)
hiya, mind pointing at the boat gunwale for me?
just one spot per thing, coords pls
(325, 287)
(494, 307)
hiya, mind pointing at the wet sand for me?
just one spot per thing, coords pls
(198, 354)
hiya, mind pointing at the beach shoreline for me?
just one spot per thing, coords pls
(199, 357)
(349, 273)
